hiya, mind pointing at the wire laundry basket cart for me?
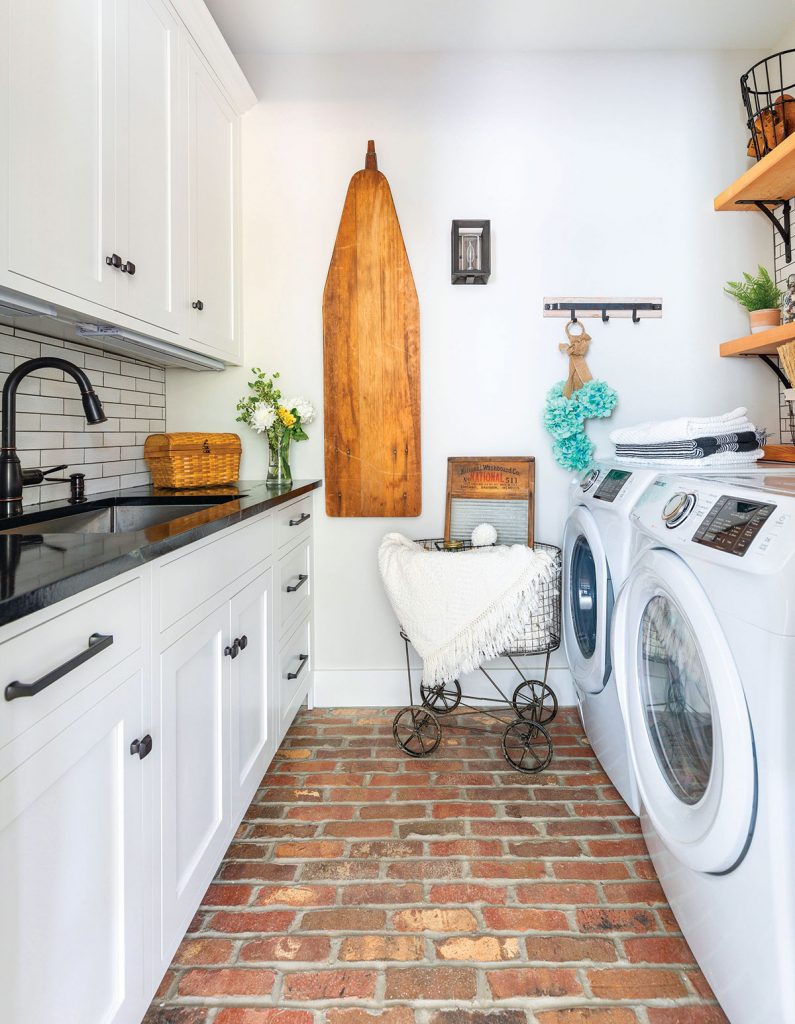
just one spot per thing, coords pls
(525, 713)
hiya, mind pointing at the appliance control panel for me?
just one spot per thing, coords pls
(719, 519)
(611, 484)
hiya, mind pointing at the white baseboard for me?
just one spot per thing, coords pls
(370, 688)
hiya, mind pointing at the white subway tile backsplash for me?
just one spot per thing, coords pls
(51, 428)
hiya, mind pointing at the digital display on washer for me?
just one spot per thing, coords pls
(610, 487)
(732, 523)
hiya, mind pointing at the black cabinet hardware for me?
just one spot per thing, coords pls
(303, 658)
(302, 578)
(142, 747)
(303, 519)
(198, 304)
(97, 643)
(128, 268)
(243, 642)
(232, 651)
(113, 261)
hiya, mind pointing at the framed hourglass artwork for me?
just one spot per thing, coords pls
(471, 251)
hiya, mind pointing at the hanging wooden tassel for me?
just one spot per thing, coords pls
(575, 348)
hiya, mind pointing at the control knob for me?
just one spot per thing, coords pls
(589, 480)
(678, 508)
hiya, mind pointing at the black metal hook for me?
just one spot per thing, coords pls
(605, 317)
(635, 317)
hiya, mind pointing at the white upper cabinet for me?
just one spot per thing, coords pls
(58, 76)
(151, 221)
(119, 166)
(213, 165)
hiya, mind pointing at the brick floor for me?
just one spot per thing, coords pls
(365, 887)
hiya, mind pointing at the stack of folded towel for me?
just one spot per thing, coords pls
(730, 439)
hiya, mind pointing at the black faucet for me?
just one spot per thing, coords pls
(11, 475)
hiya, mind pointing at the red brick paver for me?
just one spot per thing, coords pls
(365, 887)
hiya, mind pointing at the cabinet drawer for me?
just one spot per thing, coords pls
(29, 656)
(295, 584)
(295, 671)
(293, 522)
(200, 573)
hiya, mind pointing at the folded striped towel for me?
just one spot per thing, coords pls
(697, 448)
(685, 428)
(719, 459)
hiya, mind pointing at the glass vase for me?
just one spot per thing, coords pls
(279, 474)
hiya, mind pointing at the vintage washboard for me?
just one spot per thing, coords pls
(500, 491)
(371, 358)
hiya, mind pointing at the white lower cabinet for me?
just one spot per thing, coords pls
(71, 933)
(123, 781)
(252, 743)
(194, 685)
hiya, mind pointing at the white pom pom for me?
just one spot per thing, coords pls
(484, 535)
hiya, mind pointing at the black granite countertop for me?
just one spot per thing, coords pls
(39, 568)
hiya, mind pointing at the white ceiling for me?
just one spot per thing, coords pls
(405, 26)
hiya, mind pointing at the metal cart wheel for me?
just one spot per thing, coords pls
(441, 698)
(527, 746)
(534, 701)
(417, 731)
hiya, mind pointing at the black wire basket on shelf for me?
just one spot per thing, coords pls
(768, 92)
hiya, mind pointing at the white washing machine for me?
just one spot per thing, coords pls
(704, 649)
(596, 558)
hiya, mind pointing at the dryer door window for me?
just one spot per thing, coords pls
(583, 596)
(674, 690)
(587, 602)
(688, 730)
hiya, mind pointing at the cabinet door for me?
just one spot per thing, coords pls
(195, 819)
(252, 743)
(149, 165)
(71, 934)
(212, 158)
(59, 69)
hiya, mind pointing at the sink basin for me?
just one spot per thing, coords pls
(116, 517)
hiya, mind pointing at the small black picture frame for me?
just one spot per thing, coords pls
(470, 251)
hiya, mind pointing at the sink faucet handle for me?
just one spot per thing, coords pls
(42, 475)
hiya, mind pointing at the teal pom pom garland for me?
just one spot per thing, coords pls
(564, 418)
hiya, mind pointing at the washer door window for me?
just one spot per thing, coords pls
(588, 602)
(675, 693)
(688, 728)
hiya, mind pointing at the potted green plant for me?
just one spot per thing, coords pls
(761, 296)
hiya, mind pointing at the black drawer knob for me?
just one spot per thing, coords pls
(198, 304)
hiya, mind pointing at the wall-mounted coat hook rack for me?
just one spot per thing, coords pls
(574, 308)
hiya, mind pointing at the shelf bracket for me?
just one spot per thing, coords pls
(782, 226)
(777, 370)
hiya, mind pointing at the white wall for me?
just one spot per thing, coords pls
(598, 173)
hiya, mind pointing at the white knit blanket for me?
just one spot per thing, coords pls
(683, 428)
(460, 609)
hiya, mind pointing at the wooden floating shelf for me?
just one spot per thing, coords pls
(771, 179)
(764, 343)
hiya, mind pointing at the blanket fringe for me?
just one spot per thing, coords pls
(494, 630)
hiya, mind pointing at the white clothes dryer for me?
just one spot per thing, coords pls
(704, 644)
(596, 557)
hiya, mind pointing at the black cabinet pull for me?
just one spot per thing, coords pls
(303, 519)
(233, 651)
(198, 304)
(128, 268)
(302, 578)
(242, 642)
(113, 261)
(97, 643)
(303, 658)
(142, 747)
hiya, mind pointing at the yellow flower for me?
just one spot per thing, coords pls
(286, 416)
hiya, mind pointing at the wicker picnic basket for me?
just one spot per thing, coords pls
(186, 460)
